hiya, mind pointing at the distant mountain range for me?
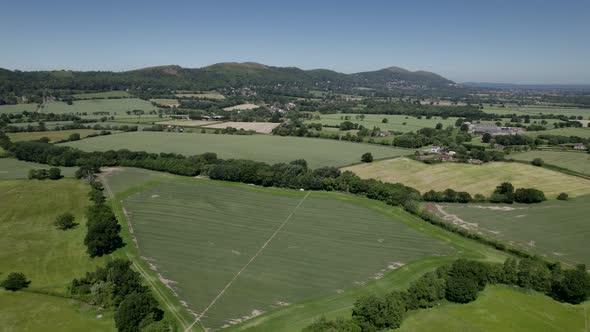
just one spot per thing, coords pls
(224, 75)
(527, 86)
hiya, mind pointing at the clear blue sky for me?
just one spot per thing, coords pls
(526, 41)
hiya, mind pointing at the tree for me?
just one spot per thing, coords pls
(510, 271)
(538, 162)
(529, 195)
(367, 157)
(74, 137)
(15, 281)
(439, 126)
(575, 286)
(54, 173)
(425, 292)
(103, 236)
(461, 289)
(376, 313)
(563, 197)
(534, 274)
(486, 138)
(65, 221)
(385, 120)
(340, 325)
(135, 308)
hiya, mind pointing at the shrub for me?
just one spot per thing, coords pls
(529, 195)
(563, 197)
(54, 173)
(367, 157)
(65, 221)
(340, 325)
(15, 281)
(538, 162)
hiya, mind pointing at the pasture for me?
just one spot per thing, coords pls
(16, 169)
(56, 135)
(102, 95)
(187, 123)
(580, 132)
(114, 107)
(18, 108)
(556, 229)
(203, 95)
(474, 179)
(575, 161)
(267, 148)
(499, 309)
(281, 246)
(166, 102)
(241, 107)
(394, 122)
(260, 127)
(537, 110)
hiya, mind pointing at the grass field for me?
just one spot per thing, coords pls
(395, 122)
(272, 149)
(538, 110)
(102, 95)
(329, 242)
(205, 95)
(187, 123)
(53, 136)
(16, 169)
(241, 107)
(499, 309)
(166, 102)
(580, 132)
(48, 257)
(575, 161)
(557, 229)
(19, 108)
(115, 107)
(474, 179)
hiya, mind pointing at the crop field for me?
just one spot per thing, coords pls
(575, 161)
(115, 107)
(394, 122)
(102, 95)
(166, 102)
(53, 136)
(241, 107)
(557, 229)
(538, 110)
(50, 258)
(260, 127)
(204, 95)
(278, 246)
(499, 309)
(271, 149)
(188, 123)
(474, 179)
(16, 169)
(18, 108)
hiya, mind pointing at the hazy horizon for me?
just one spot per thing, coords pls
(528, 42)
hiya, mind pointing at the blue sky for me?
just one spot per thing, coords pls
(517, 41)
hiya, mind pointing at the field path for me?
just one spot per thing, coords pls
(198, 320)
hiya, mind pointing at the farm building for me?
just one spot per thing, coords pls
(492, 129)
(579, 146)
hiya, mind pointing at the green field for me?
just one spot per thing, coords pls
(50, 258)
(499, 309)
(102, 95)
(474, 179)
(575, 161)
(115, 107)
(56, 135)
(329, 242)
(19, 108)
(395, 122)
(16, 169)
(557, 229)
(580, 132)
(538, 110)
(267, 148)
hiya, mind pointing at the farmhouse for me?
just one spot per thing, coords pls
(492, 129)
(579, 146)
(435, 149)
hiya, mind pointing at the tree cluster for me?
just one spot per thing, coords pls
(102, 237)
(54, 173)
(505, 193)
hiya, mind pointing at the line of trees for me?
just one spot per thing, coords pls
(461, 282)
(54, 173)
(103, 234)
(504, 193)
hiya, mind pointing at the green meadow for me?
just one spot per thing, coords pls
(17, 169)
(575, 161)
(394, 122)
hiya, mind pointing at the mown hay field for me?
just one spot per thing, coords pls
(499, 309)
(115, 107)
(50, 258)
(538, 110)
(260, 127)
(204, 95)
(281, 246)
(556, 229)
(16, 169)
(53, 135)
(394, 122)
(473, 179)
(271, 149)
(575, 161)
(102, 95)
(241, 107)
(18, 108)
